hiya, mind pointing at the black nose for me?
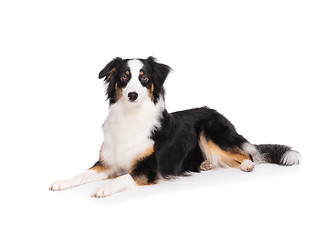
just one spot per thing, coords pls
(132, 96)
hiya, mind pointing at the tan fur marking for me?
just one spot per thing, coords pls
(127, 73)
(118, 92)
(151, 92)
(141, 73)
(111, 72)
(212, 152)
(232, 157)
(101, 169)
(141, 156)
(142, 179)
(98, 169)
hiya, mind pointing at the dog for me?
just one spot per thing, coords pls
(143, 143)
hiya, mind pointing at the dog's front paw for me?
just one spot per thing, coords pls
(61, 185)
(116, 185)
(102, 192)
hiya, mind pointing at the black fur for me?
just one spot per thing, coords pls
(176, 143)
(112, 73)
(147, 167)
(157, 73)
(273, 153)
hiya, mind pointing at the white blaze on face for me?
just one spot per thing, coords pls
(134, 84)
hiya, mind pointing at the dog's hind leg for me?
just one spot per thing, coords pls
(222, 145)
(218, 157)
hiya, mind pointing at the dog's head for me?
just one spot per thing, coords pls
(133, 80)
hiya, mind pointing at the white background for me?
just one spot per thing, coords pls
(269, 66)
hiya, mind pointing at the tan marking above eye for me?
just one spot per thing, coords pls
(127, 73)
(141, 73)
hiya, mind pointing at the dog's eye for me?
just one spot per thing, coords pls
(144, 79)
(124, 77)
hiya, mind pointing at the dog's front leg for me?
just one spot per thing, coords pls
(96, 173)
(118, 184)
(144, 172)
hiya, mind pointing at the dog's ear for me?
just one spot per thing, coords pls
(110, 69)
(160, 71)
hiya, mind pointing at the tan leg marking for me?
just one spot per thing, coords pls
(217, 156)
(99, 169)
(143, 155)
(141, 179)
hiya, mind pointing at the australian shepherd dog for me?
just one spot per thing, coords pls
(143, 143)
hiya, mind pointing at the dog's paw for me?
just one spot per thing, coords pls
(102, 192)
(206, 165)
(116, 185)
(247, 165)
(61, 185)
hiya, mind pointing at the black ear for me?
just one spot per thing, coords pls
(160, 71)
(109, 70)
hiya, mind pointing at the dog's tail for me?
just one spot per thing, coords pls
(272, 153)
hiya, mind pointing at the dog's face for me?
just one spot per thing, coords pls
(133, 80)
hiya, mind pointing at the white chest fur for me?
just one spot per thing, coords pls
(127, 131)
